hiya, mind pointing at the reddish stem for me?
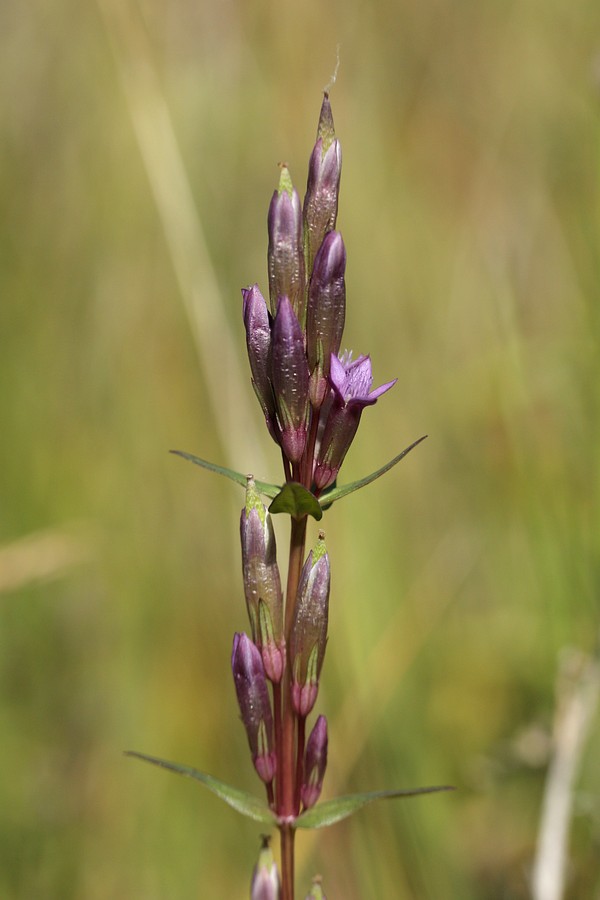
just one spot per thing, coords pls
(308, 458)
(300, 758)
(270, 795)
(287, 862)
(286, 805)
(277, 723)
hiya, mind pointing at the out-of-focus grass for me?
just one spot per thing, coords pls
(470, 212)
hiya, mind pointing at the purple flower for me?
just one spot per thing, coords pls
(351, 382)
(255, 706)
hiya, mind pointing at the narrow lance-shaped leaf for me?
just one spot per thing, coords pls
(241, 801)
(333, 811)
(263, 487)
(337, 493)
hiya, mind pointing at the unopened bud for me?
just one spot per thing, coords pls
(255, 707)
(258, 342)
(326, 313)
(309, 629)
(315, 763)
(316, 891)
(322, 189)
(285, 255)
(262, 583)
(290, 380)
(265, 878)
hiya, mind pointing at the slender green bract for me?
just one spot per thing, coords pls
(337, 493)
(241, 801)
(293, 498)
(319, 816)
(333, 811)
(263, 487)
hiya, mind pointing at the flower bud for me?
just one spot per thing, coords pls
(285, 256)
(326, 312)
(290, 380)
(262, 583)
(308, 636)
(351, 381)
(316, 891)
(258, 341)
(322, 189)
(255, 707)
(315, 763)
(265, 878)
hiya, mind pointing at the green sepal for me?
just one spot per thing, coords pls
(263, 487)
(332, 811)
(241, 801)
(337, 493)
(295, 500)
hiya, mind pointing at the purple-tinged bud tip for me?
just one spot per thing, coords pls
(326, 128)
(326, 312)
(290, 380)
(308, 637)
(285, 256)
(315, 763)
(265, 878)
(258, 342)
(255, 706)
(262, 583)
(323, 185)
(316, 891)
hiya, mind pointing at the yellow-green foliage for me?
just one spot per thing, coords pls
(469, 207)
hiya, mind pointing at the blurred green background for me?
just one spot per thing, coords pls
(139, 144)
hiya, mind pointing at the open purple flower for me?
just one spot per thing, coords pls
(351, 382)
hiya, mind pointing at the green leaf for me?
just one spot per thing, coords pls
(337, 493)
(295, 500)
(241, 801)
(263, 487)
(332, 811)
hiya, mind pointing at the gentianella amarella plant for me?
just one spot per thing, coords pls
(312, 397)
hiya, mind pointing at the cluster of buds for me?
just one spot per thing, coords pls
(312, 397)
(262, 659)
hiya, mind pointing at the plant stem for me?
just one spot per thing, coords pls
(297, 542)
(286, 788)
(300, 758)
(277, 723)
(287, 862)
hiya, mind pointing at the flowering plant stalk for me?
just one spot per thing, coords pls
(312, 397)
